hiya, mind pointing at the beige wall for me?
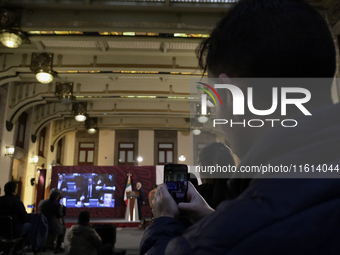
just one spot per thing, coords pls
(184, 146)
(106, 147)
(70, 140)
(146, 147)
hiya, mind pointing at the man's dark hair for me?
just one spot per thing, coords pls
(84, 217)
(216, 153)
(10, 188)
(54, 194)
(270, 39)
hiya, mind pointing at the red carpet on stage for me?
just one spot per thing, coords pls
(143, 174)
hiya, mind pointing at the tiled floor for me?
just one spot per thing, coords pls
(127, 239)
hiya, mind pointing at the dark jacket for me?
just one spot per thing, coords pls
(83, 240)
(53, 212)
(12, 206)
(140, 198)
(269, 216)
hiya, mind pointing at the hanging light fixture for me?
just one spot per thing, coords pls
(91, 125)
(79, 111)
(41, 65)
(64, 91)
(11, 40)
(203, 119)
(11, 35)
(196, 131)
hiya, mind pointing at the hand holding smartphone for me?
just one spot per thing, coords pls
(176, 179)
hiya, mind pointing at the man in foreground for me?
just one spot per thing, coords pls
(10, 205)
(265, 39)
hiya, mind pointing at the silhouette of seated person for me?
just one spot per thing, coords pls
(10, 205)
(84, 240)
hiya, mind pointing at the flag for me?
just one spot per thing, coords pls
(127, 189)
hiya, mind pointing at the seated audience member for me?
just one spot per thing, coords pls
(214, 190)
(54, 211)
(10, 205)
(276, 214)
(84, 240)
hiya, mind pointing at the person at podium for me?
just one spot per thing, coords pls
(140, 199)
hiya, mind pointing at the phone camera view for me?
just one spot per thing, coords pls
(176, 179)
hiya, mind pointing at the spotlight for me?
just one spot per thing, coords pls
(41, 65)
(91, 125)
(203, 119)
(79, 111)
(139, 159)
(196, 131)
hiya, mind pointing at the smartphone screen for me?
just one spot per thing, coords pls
(176, 179)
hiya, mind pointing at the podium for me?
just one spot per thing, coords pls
(131, 213)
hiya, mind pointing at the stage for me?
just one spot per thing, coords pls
(119, 222)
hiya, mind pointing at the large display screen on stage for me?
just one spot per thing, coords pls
(87, 189)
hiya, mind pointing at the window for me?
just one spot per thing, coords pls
(126, 154)
(42, 142)
(86, 154)
(165, 153)
(20, 142)
(59, 146)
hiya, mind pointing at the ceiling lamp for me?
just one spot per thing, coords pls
(10, 40)
(196, 131)
(79, 111)
(11, 35)
(91, 125)
(64, 91)
(41, 65)
(203, 119)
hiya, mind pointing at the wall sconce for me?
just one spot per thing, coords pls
(34, 160)
(91, 125)
(64, 91)
(10, 151)
(139, 159)
(41, 65)
(182, 158)
(11, 35)
(79, 111)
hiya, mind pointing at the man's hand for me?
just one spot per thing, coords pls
(197, 208)
(163, 204)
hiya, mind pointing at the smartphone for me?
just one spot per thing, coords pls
(30, 206)
(176, 179)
